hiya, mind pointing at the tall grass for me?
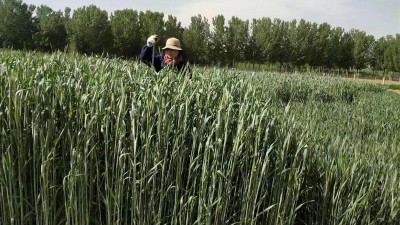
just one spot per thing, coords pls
(103, 141)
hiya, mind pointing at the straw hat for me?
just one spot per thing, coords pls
(173, 43)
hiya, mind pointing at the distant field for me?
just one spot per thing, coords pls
(87, 140)
(394, 86)
(377, 81)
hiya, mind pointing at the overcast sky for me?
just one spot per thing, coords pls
(376, 17)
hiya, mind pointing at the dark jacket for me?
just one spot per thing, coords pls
(146, 57)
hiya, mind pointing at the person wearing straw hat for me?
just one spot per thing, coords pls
(172, 58)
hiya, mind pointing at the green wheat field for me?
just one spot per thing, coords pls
(90, 141)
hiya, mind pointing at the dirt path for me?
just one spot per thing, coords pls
(396, 91)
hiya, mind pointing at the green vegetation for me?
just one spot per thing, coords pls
(105, 141)
(394, 86)
(272, 43)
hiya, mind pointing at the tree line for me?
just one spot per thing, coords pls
(293, 44)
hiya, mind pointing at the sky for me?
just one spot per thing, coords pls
(375, 17)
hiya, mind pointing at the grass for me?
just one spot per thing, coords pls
(394, 86)
(102, 141)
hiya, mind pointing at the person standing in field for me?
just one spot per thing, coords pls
(172, 59)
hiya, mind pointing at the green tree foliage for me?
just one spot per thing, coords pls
(321, 56)
(253, 55)
(126, 32)
(345, 52)
(218, 41)
(313, 44)
(392, 54)
(396, 53)
(294, 44)
(173, 28)
(300, 41)
(362, 51)
(67, 14)
(151, 23)
(333, 52)
(378, 62)
(272, 39)
(90, 30)
(261, 36)
(196, 39)
(280, 42)
(237, 39)
(51, 32)
(16, 26)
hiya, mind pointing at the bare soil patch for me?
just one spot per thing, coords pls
(396, 91)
